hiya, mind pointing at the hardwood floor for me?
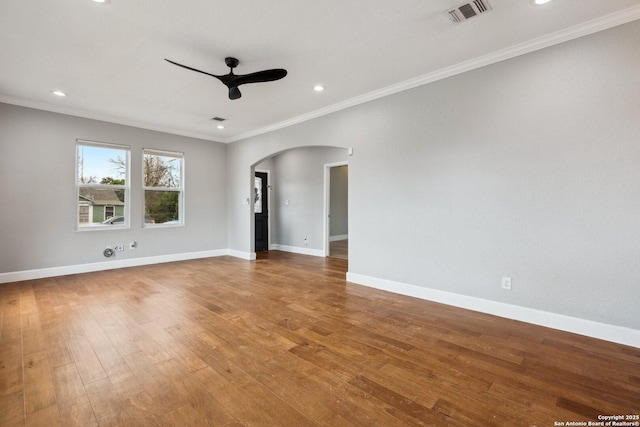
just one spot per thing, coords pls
(339, 249)
(285, 341)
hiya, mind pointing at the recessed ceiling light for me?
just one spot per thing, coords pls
(102, 1)
(541, 1)
(58, 93)
(318, 88)
(220, 127)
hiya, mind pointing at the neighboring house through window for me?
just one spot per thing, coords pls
(163, 184)
(102, 184)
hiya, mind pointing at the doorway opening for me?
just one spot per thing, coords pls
(261, 210)
(337, 210)
(295, 199)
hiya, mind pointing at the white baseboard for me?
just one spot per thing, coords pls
(17, 276)
(617, 334)
(249, 256)
(298, 250)
(338, 237)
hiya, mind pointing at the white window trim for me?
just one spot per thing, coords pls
(126, 187)
(181, 213)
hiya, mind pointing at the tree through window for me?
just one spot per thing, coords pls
(163, 187)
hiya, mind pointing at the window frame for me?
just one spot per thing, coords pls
(178, 155)
(126, 187)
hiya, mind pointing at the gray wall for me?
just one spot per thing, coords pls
(38, 209)
(298, 176)
(528, 168)
(339, 201)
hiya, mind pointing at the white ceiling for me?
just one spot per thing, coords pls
(109, 58)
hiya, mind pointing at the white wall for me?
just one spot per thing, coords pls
(37, 186)
(526, 168)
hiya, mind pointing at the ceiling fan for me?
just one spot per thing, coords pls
(232, 81)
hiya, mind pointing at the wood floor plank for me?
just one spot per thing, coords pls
(158, 386)
(186, 416)
(11, 370)
(57, 346)
(86, 361)
(12, 409)
(105, 401)
(204, 403)
(124, 380)
(139, 410)
(249, 401)
(49, 416)
(73, 403)
(399, 402)
(39, 390)
(285, 340)
(185, 356)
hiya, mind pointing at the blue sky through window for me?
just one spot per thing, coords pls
(95, 162)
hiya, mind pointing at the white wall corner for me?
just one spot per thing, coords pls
(603, 331)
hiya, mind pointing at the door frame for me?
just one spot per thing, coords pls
(268, 172)
(327, 198)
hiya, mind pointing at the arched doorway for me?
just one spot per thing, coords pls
(295, 199)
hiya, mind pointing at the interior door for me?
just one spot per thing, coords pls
(261, 209)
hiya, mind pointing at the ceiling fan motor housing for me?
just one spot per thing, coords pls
(231, 62)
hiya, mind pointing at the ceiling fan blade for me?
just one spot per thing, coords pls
(232, 81)
(260, 76)
(192, 69)
(234, 93)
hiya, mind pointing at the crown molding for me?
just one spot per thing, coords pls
(584, 29)
(104, 118)
(581, 30)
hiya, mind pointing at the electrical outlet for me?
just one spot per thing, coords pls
(133, 245)
(306, 240)
(506, 283)
(119, 248)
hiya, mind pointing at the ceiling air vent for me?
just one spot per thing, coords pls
(469, 10)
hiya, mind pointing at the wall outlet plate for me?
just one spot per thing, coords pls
(506, 283)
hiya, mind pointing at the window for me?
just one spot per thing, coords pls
(102, 185)
(163, 183)
(83, 214)
(109, 212)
